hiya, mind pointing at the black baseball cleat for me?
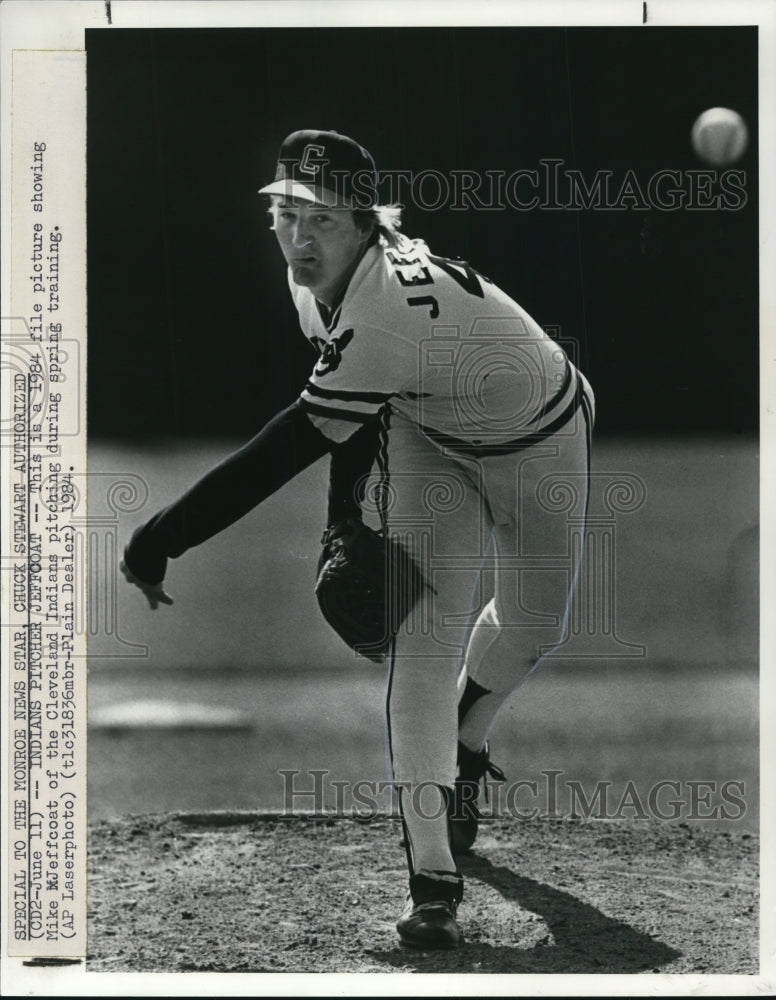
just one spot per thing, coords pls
(429, 916)
(463, 811)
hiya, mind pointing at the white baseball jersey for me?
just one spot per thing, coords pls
(440, 344)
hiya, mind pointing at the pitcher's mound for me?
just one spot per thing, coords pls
(250, 892)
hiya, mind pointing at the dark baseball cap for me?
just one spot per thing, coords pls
(325, 167)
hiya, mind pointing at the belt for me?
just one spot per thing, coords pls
(480, 450)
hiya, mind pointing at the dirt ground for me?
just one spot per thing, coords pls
(246, 892)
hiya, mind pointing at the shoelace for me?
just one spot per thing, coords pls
(495, 772)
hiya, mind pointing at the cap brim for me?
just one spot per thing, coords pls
(303, 192)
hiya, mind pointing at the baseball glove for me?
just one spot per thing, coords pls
(367, 585)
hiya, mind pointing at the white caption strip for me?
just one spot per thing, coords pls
(44, 544)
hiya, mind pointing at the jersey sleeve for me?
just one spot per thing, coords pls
(358, 372)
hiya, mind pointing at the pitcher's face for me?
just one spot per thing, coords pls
(320, 244)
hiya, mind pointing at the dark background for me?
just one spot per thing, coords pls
(191, 326)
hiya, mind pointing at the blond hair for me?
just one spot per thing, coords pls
(384, 221)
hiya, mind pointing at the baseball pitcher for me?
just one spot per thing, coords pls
(448, 414)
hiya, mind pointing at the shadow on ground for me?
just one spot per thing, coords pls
(581, 938)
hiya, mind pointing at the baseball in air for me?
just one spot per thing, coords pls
(719, 136)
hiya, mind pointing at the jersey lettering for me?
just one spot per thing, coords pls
(398, 261)
(460, 272)
(416, 279)
(463, 275)
(425, 300)
(422, 278)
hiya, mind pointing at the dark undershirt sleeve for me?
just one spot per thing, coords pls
(351, 463)
(288, 444)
